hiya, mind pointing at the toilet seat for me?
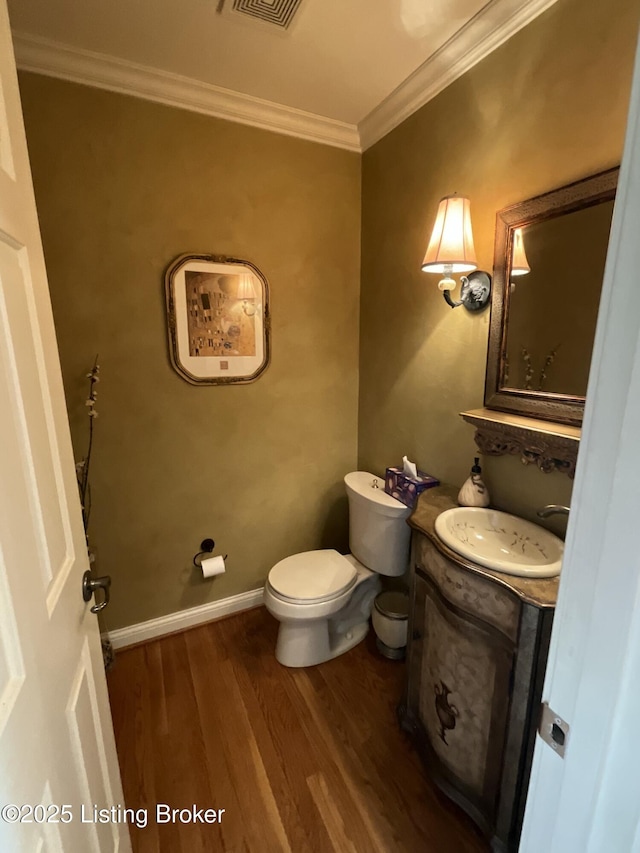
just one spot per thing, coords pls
(312, 577)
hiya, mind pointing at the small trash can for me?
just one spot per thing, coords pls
(390, 617)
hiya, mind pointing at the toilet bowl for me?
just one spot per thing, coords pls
(322, 599)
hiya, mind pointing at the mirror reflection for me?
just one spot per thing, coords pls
(552, 307)
(548, 269)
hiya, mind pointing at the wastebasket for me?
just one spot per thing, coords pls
(390, 617)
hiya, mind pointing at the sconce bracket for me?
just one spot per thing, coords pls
(474, 292)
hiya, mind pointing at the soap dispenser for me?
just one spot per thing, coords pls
(474, 492)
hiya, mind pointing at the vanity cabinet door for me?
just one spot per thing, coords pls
(459, 687)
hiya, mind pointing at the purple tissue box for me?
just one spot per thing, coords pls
(406, 489)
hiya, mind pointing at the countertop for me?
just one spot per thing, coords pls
(542, 592)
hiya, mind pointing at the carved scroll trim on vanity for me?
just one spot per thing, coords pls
(497, 435)
(447, 713)
(547, 455)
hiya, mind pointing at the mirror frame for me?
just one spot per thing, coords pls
(546, 405)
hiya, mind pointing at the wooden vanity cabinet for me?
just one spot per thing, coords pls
(476, 658)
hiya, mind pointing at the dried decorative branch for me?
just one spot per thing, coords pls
(82, 468)
(548, 361)
(528, 372)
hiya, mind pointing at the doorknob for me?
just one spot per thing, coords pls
(89, 587)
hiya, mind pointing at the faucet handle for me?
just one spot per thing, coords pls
(553, 509)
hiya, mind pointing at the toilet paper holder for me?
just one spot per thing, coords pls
(206, 547)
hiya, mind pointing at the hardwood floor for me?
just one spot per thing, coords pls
(300, 760)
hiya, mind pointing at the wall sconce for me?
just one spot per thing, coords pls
(451, 251)
(247, 294)
(519, 262)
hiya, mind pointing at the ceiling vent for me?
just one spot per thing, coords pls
(279, 13)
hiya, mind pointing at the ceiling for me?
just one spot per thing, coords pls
(340, 66)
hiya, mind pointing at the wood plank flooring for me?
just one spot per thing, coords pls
(300, 760)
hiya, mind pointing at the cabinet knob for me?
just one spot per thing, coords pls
(416, 634)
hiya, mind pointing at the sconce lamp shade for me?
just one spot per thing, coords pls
(451, 247)
(519, 262)
(245, 288)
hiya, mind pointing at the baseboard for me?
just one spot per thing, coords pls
(173, 622)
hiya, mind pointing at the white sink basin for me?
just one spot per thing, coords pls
(501, 541)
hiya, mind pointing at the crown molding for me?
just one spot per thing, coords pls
(55, 59)
(494, 24)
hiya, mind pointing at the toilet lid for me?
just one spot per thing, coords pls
(313, 576)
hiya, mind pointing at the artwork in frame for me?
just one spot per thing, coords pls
(218, 319)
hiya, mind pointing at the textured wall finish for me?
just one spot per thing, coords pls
(547, 108)
(124, 186)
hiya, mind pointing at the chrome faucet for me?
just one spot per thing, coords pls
(553, 509)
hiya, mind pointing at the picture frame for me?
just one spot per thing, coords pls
(218, 319)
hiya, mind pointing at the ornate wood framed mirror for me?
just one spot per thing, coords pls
(549, 262)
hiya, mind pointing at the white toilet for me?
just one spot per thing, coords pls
(322, 599)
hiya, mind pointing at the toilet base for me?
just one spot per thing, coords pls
(313, 633)
(311, 643)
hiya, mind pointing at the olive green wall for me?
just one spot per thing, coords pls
(548, 107)
(123, 186)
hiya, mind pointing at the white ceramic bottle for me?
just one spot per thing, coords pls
(474, 492)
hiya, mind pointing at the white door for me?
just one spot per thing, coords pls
(589, 801)
(56, 741)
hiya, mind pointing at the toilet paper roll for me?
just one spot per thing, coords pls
(213, 566)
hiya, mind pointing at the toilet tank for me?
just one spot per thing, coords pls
(378, 530)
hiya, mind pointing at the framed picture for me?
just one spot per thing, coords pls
(218, 319)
